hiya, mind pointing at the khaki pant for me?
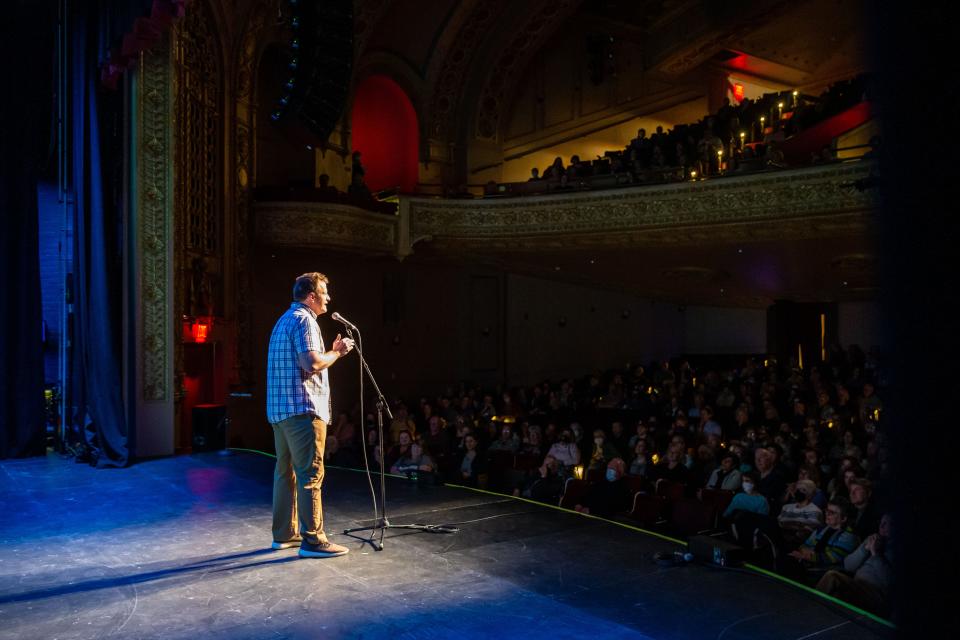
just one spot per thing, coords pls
(297, 478)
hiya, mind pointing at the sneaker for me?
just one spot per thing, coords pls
(322, 550)
(293, 542)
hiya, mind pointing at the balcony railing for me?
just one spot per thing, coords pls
(819, 200)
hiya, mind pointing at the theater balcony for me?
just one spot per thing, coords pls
(742, 240)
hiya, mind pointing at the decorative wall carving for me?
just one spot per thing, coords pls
(307, 224)
(154, 204)
(199, 217)
(623, 216)
(198, 138)
(803, 203)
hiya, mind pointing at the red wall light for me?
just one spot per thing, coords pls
(199, 330)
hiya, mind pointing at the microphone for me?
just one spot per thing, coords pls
(339, 318)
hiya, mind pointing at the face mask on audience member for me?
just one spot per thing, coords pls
(748, 487)
(612, 475)
(598, 442)
(799, 495)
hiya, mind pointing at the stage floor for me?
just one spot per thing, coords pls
(179, 548)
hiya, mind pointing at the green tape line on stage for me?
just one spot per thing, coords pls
(821, 594)
(565, 510)
(760, 570)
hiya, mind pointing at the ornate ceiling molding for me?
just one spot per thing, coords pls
(321, 224)
(814, 201)
(503, 76)
(450, 62)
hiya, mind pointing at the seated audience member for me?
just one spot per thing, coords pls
(534, 175)
(506, 442)
(401, 421)
(555, 171)
(565, 451)
(773, 156)
(865, 515)
(640, 434)
(602, 452)
(543, 484)
(812, 473)
(798, 519)
(839, 487)
(438, 441)
(727, 475)
(471, 464)
(867, 576)
(641, 465)
(399, 451)
(709, 426)
(534, 444)
(702, 466)
(672, 467)
(618, 439)
(826, 547)
(610, 495)
(770, 481)
(748, 500)
(408, 461)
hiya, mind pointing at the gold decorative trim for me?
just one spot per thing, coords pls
(154, 159)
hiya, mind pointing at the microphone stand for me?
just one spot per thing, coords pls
(382, 523)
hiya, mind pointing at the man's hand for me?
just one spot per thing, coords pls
(342, 346)
(803, 553)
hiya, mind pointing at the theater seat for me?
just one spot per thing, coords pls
(648, 509)
(672, 491)
(719, 499)
(636, 483)
(573, 493)
(689, 516)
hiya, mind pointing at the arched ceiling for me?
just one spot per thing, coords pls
(472, 53)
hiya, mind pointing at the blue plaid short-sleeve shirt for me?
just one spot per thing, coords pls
(292, 391)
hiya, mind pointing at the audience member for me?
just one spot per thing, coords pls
(866, 579)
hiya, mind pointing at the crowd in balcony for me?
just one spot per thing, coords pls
(791, 464)
(738, 138)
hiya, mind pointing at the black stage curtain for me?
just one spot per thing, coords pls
(98, 330)
(918, 182)
(26, 43)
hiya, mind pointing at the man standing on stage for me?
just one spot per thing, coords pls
(298, 408)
